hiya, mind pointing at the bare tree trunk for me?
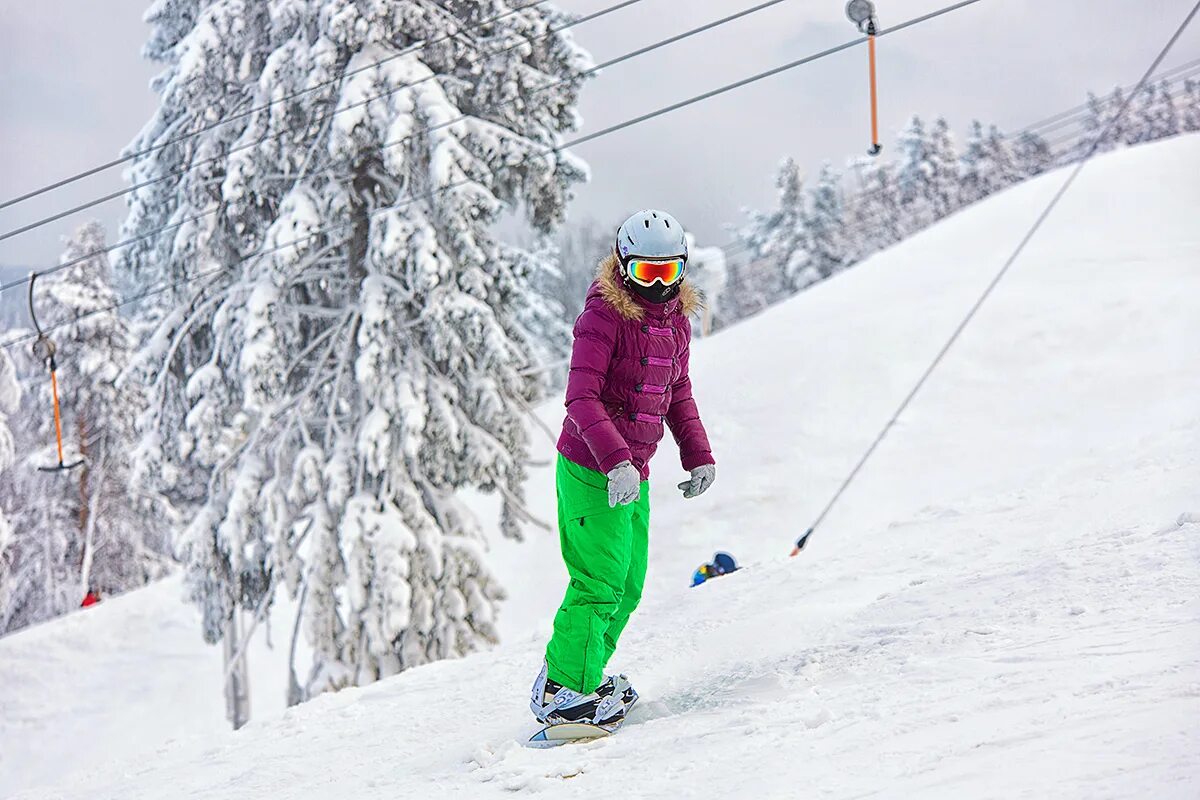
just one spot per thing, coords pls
(84, 475)
(87, 514)
(295, 694)
(237, 679)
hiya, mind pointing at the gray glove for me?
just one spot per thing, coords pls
(624, 484)
(702, 478)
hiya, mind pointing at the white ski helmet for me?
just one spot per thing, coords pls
(651, 234)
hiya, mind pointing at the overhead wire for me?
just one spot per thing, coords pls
(408, 137)
(539, 154)
(987, 292)
(319, 120)
(1173, 74)
(345, 73)
(1080, 114)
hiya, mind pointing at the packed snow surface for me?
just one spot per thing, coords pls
(1005, 604)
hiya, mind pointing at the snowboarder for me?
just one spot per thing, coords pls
(629, 377)
(91, 598)
(721, 564)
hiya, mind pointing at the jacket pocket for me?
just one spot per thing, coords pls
(615, 410)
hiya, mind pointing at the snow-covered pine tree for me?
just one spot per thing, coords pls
(972, 182)
(942, 184)
(708, 271)
(1003, 169)
(90, 527)
(1189, 106)
(1118, 134)
(747, 297)
(874, 218)
(1142, 122)
(126, 528)
(826, 225)
(777, 242)
(1164, 115)
(987, 164)
(913, 174)
(540, 267)
(318, 406)
(1101, 111)
(40, 557)
(1032, 154)
(10, 401)
(1093, 125)
(581, 245)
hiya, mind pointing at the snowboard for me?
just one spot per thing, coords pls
(567, 732)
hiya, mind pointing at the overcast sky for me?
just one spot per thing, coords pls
(74, 90)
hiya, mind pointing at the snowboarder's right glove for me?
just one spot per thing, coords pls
(624, 484)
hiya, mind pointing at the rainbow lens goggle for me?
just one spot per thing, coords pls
(646, 271)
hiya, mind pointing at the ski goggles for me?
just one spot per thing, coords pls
(646, 271)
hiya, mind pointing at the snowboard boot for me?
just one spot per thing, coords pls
(619, 684)
(554, 704)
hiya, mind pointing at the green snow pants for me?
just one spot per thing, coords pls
(605, 552)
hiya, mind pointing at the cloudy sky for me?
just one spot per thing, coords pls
(74, 90)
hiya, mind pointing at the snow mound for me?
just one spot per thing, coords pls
(1007, 602)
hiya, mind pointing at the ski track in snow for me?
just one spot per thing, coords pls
(1006, 605)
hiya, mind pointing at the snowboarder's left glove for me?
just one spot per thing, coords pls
(702, 478)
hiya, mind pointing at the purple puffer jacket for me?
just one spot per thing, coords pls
(629, 375)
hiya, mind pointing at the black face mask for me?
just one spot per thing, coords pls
(656, 293)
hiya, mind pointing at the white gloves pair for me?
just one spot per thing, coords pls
(625, 483)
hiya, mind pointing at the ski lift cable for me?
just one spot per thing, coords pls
(1020, 248)
(738, 246)
(1076, 113)
(1174, 74)
(292, 96)
(1080, 113)
(271, 136)
(410, 136)
(429, 129)
(548, 151)
(772, 72)
(602, 66)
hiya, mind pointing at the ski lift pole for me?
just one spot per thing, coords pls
(876, 147)
(862, 14)
(44, 350)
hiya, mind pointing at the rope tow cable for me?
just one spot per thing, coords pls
(1037, 225)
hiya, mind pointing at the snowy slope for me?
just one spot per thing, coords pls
(1006, 604)
(118, 680)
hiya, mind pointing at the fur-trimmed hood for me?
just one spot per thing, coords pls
(689, 301)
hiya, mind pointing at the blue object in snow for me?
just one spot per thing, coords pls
(722, 564)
